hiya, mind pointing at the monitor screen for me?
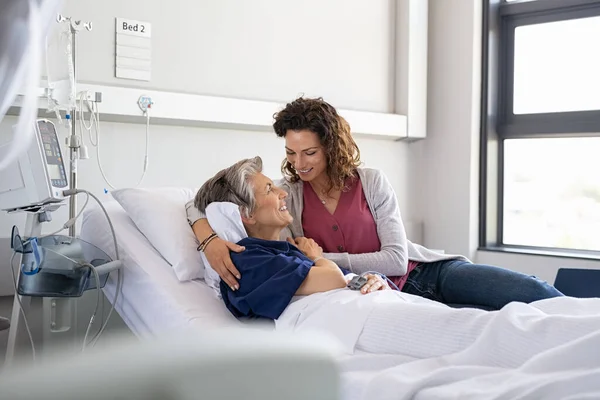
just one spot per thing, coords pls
(54, 171)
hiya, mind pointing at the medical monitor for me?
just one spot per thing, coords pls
(39, 175)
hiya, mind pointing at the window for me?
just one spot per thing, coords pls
(549, 60)
(557, 67)
(540, 148)
(552, 193)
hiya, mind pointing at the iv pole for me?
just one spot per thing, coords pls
(53, 306)
(73, 141)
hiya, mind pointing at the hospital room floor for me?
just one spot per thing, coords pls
(6, 305)
(115, 329)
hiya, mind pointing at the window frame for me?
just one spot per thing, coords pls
(513, 15)
(499, 20)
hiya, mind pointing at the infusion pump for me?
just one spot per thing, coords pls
(39, 176)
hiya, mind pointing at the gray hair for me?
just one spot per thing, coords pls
(232, 185)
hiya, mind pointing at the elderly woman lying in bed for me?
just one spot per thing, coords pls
(291, 283)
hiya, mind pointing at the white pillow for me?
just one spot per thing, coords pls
(225, 219)
(160, 215)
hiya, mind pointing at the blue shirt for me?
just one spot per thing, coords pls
(272, 271)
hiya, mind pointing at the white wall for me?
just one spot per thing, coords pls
(263, 49)
(259, 49)
(445, 165)
(446, 162)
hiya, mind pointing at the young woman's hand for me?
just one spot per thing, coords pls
(374, 283)
(217, 254)
(307, 246)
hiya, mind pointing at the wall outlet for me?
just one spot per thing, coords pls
(95, 97)
(145, 102)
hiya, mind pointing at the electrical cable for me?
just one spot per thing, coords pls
(18, 298)
(71, 221)
(95, 123)
(95, 338)
(98, 301)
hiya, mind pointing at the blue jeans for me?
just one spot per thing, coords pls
(459, 283)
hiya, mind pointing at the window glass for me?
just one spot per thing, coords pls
(557, 67)
(552, 193)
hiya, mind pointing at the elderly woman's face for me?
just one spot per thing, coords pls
(270, 209)
(306, 154)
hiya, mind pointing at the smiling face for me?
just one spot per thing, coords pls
(270, 211)
(306, 154)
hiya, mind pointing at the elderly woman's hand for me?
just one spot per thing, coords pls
(374, 283)
(217, 254)
(309, 247)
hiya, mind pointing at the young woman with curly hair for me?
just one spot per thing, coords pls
(352, 213)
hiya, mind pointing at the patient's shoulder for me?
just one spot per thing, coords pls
(260, 253)
(255, 243)
(258, 247)
(253, 248)
(247, 241)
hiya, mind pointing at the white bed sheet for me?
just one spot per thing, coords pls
(152, 300)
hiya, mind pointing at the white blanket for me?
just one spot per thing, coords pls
(423, 350)
(343, 313)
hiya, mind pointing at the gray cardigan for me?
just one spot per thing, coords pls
(396, 249)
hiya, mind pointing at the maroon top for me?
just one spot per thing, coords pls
(350, 229)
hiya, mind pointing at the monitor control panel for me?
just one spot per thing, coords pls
(52, 153)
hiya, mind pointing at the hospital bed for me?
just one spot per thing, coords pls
(153, 302)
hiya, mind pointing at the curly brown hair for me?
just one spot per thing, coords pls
(320, 117)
